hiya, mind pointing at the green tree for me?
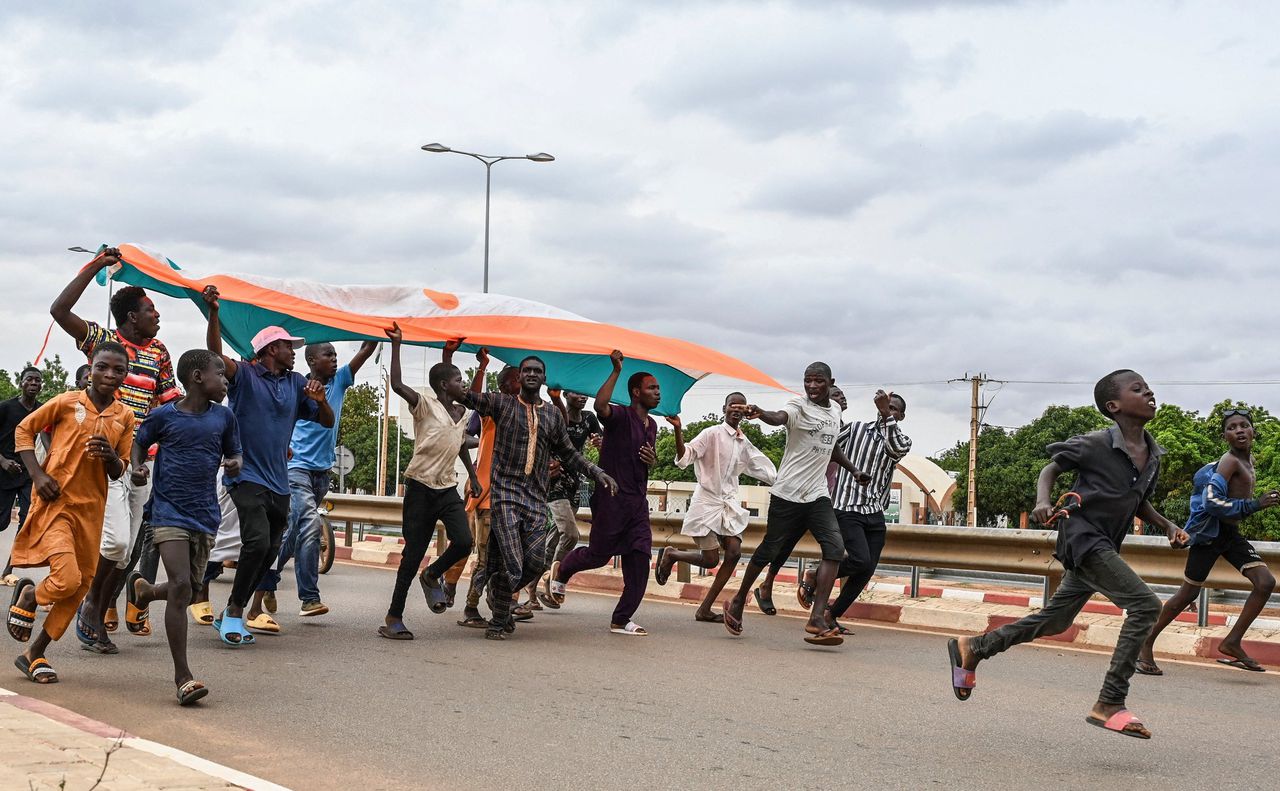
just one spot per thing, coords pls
(358, 431)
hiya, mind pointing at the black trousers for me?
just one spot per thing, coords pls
(863, 536)
(22, 495)
(264, 515)
(423, 507)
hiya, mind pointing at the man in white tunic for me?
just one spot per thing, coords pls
(716, 518)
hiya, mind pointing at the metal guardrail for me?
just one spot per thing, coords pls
(1002, 550)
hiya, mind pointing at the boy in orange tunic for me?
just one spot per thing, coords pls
(91, 436)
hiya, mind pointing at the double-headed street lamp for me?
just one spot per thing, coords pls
(437, 148)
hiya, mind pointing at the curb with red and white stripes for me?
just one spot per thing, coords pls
(97, 728)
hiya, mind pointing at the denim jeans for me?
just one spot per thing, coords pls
(301, 543)
(1101, 571)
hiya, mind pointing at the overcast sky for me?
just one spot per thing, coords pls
(909, 190)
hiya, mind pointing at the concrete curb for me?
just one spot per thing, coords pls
(101, 729)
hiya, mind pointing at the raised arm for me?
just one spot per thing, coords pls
(482, 362)
(554, 393)
(450, 346)
(361, 356)
(677, 429)
(397, 384)
(213, 333)
(61, 311)
(605, 393)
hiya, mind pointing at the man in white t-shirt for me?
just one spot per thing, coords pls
(800, 500)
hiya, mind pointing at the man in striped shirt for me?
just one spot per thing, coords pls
(875, 446)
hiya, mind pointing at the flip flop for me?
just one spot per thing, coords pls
(437, 599)
(83, 633)
(474, 622)
(714, 617)
(827, 637)
(38, 670)
(21, 622)
(9, 580)
(201, 613)
(263, 623)
(112, 621)
(660, 576)
(804, 593)
(190, 692)
(552, 587)
(1119, 722)
(632, 629)
(962, 681)
(765, 603)
(1145, 668)
(1243, 664)
(397, 631)
(732, 624)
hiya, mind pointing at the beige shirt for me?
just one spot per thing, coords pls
(437, 437)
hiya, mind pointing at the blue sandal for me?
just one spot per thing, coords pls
(226, 625)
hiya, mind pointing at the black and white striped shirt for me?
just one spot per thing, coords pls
(875, 448)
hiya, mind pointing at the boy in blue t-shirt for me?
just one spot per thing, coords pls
(195, 436)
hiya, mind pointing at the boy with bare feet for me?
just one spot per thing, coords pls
(716, 518)
(1116, 471)
(92, 434)
(194, 435)
(1222, 496)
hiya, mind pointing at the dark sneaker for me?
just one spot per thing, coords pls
(313, 608)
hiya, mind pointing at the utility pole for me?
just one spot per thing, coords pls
(976, 410)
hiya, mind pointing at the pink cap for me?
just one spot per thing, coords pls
(270, 335)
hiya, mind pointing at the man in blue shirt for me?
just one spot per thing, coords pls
(267, 397)
(312, 456)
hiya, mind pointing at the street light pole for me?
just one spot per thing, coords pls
(489, 161)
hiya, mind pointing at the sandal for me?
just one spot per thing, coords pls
(190, 692)
(827, 637)
(263, 623)
(1120, 722)
(732, 622)
(714, 617)
(632, 629)
(765, 603)
(38, 670)
(1145, 668)
(201, 613)
(804, 592)
(437, 599)
(83, 633)
(660, 576)
(474, 622)
(552, 587)
(227, 627)
(962, 680)
(105, 647)
(135, 617)
(112, 621)
(396, 631)
(9, 580)
(21, 622)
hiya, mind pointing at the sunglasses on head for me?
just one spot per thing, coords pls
(1230, 413)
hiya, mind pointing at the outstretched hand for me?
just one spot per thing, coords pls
(751, 412)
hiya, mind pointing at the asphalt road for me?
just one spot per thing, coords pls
(565, 704)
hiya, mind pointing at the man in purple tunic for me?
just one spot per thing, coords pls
(620, 523)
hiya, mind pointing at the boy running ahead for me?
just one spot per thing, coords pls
(194, 435)
(716, 518)
(1222, 496)
(1116, 471)
(91, 435)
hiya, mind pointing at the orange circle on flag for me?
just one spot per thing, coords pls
(443, 299)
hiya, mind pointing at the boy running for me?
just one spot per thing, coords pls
(15, 483)
(150, 382)
(716, 518)
(1116, 471)
(1222, 496)
(430, 484)
(91, 435)
(268, 397)
(800, 500)
(312, 456)
(195, 436)
(620, 521)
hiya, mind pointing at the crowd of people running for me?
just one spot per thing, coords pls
(141, 465)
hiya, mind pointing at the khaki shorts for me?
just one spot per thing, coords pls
(707, 541)
(199, 545)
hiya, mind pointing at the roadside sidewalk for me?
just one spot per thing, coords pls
(43, 745)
